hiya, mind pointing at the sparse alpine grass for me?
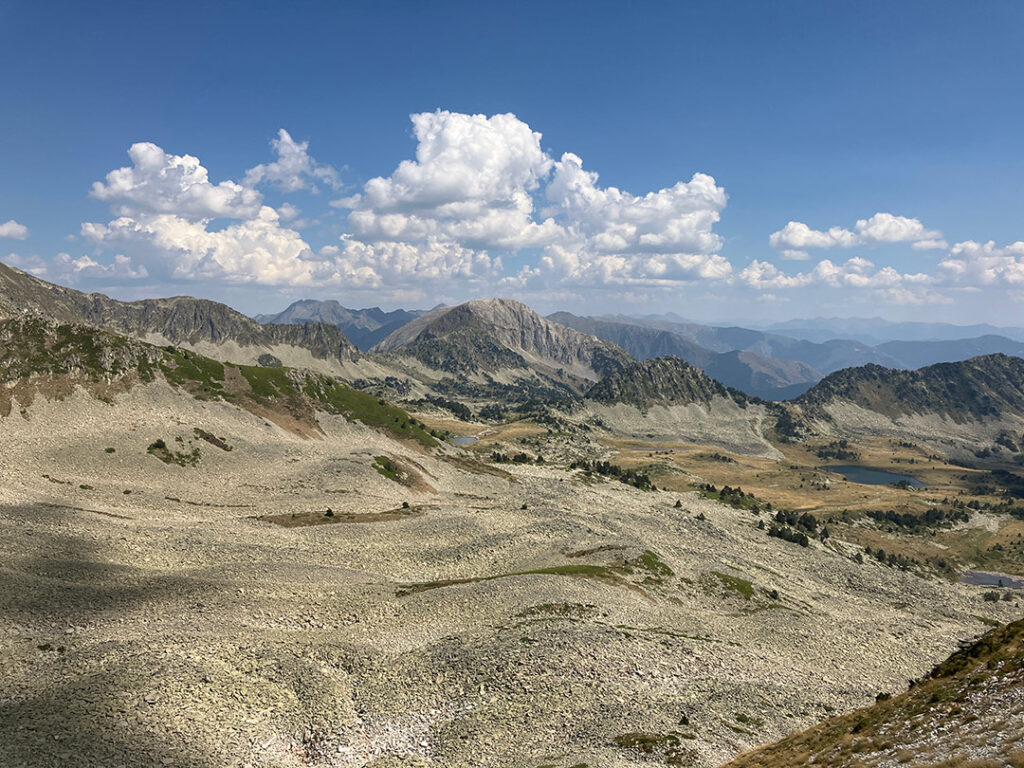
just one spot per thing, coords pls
(32, 347)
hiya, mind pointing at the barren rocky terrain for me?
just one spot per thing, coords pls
(509, 615)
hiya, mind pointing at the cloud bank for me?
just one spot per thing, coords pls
(481, 207)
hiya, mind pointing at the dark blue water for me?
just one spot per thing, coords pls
(463, 440)
(986, 579)
(869, 476)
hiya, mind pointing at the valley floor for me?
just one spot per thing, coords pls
(519, 616)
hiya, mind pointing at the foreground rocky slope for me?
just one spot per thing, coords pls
(211, 613)
(968, 711)
(213, 564)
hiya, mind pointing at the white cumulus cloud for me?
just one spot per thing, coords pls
(985, 264)
(405, 265)
(70, 269)
(158, 182)
(472, 189)
(853, 273)
(33, 264)
(471, 184)
(294, 168)
(678, 219)
(13, 230)
(257, 250)
(880, 228)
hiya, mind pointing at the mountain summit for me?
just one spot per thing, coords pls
(491, 334)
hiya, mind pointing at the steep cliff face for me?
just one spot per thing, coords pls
(491, 334)
(181, 319)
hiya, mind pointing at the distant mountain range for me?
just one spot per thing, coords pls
(744, 369)
(874, 331)
(363, 327)
(498, 348)
(772, 366)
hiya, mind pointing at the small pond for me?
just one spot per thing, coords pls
(986, 579)
(869, 476)
(463, 440)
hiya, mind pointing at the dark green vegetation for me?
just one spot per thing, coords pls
(790, 535)
(948, 718)
(795, 527)
(160, 449)
(897, 560)
(716, 456)
(387, 468)
(212, 439)
(931, 518)
(632, 477)
(734, 497)
(372, 411)
(515, 458)
(32, 346)
(841, 450)
(201, 376)
(454, 407)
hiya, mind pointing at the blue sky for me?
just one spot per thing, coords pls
(822, 114)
